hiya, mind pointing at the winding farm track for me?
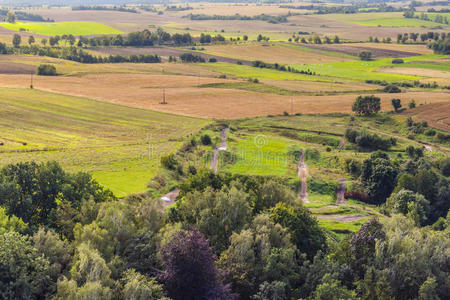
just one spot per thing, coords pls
(302, 174)
(169, 198)
(341, 192)
(222, 146)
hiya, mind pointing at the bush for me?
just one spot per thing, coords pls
(365, 55)
(357, 195)
(430, 132)
(392, 89)
(46, 70)
(212, 60)
(397, 61)
(445, 167)
(206, 140)
(369, 141)
(443, 137)
(169, 161)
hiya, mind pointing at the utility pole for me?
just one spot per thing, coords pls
(164, 97)
(31, 82)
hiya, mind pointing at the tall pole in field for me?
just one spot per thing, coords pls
(164, 97)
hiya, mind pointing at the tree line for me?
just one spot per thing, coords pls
(77, 54)
(105, 8)
(262, 17)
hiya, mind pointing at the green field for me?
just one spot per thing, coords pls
(268, 74)
(367, 70)
(118, 145)
(61, 28)
(330, 72)
(385, 19)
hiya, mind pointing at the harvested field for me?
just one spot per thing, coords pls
(16, 68)
(164, 52)
(436, 114)
(274, 53)
(410, 48)
(71, 68)
(355, 50)
(422, 72)
(184, 98)
(227, 9)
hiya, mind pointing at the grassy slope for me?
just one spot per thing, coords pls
(119, 145)
(60, 28)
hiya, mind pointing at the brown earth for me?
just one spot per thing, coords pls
(164, 52)
(355, 50)
(185, 98)
(16, 68)
(436, 114)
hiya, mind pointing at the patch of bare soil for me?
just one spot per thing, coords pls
(169, 198)
(16, 68)
(302, 174)
(341, 192)
(222, 146)
(353, 50)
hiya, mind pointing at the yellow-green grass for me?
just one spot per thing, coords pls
(388, 19)
(260, 154)
(120, 146)
(61, 28)
(262, 73)
(366, 70)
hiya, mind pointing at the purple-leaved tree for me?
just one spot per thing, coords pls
(189, 270)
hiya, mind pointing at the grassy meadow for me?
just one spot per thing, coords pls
(61, 28)
(119, 145)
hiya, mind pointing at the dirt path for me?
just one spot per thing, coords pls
(342, 218)
(222, 146)
(169, 198)
(341, 192)
(302, 173)
(341, 144)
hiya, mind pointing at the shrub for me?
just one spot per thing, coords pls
(443, 137)
(392, 89)
(397, 61)
(357, 195)
(430, 132)
(212, 60)
(365, 55)
(445, 167)
(206, 140)
(169, 161)
(46, 70)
